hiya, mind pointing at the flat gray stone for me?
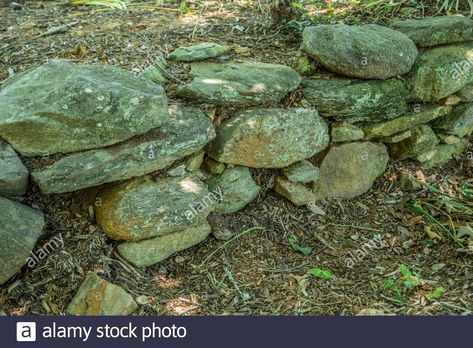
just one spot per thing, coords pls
(198, 52)
(20, 228)
(239, 84)
(13, 174)
(147, 252)
(303, 171)
(188, 131)
(367, 51)
(356, 99)
(63, 107)
(269, 138)
(343, 132)
(436, 31)
(296, 192)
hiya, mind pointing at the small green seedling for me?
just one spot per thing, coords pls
(320, 273)
(398, 289)
(436, 294)
(297, 248)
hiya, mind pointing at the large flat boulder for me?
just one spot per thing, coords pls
(441, 71)
(63, 107)
(147, 252)
(143, 208)
(13, 174)
(368, 51)
(187, 132)
(435, 31)
(269, 138)
(20, 228)
(359, 100)
(350, 169)
(239, 84)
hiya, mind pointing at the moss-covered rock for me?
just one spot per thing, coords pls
(441, 71)
(443, 153)
(422, 139)
(147, 252)
(198, 52)
(13, 174)
(63, 107)
(459, 122)
(269, 138)
(343, 132)
(435, 31)
(368, 51)
(357, 99)
(239, 84)
(303, 171)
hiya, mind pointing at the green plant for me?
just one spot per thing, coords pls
(118, 4)
(320, 273)
(436, 294)
(399, 288)
(296, 247)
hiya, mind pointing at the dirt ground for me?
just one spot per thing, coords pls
(257, 273)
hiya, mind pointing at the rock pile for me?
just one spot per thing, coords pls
(100, 125)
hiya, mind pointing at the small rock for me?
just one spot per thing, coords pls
(360, 100)
(154, 74)
(448, 139)
(13, 174)
(20, 228)
(343, 132)
(239, 84)
(459, 122)
(150, 251)
(303, 171)
(400, 124)
(295, 192)
(143, 208)
(276, 138)
(96, 296)
(213, 166)
(194, 162)
(427, 32)
(466, 93)
(367, 51)
(350, 169)
(409, 182)
(450, 100)
(423, 139)
(306, 66)
(180, 170)
(395, 138)
(235, 188)
(198, 52)
(372, 312)
(222, 233)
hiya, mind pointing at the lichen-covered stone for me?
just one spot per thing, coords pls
(459, 122)
(357, 99)
(194, 162)
(350, 169)
(441, 71)
(448, 138)
(147, 252)
(303, 171)
(443, 153)
(423, 139)
(96, 296)
(63, 107)
(395, 138)
(400, 124)
(427, 32)
(295, 192)
(269, 138)
(237, 188)
(143, 208)
(343, 132)
(368, 51)
(188, 131)
(306, 66)
(239, 84)
(198, 52)
(20, 228)
(13, 174)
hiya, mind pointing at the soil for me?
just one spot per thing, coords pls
(257, 273)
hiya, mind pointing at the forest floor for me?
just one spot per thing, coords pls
(258, 273)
